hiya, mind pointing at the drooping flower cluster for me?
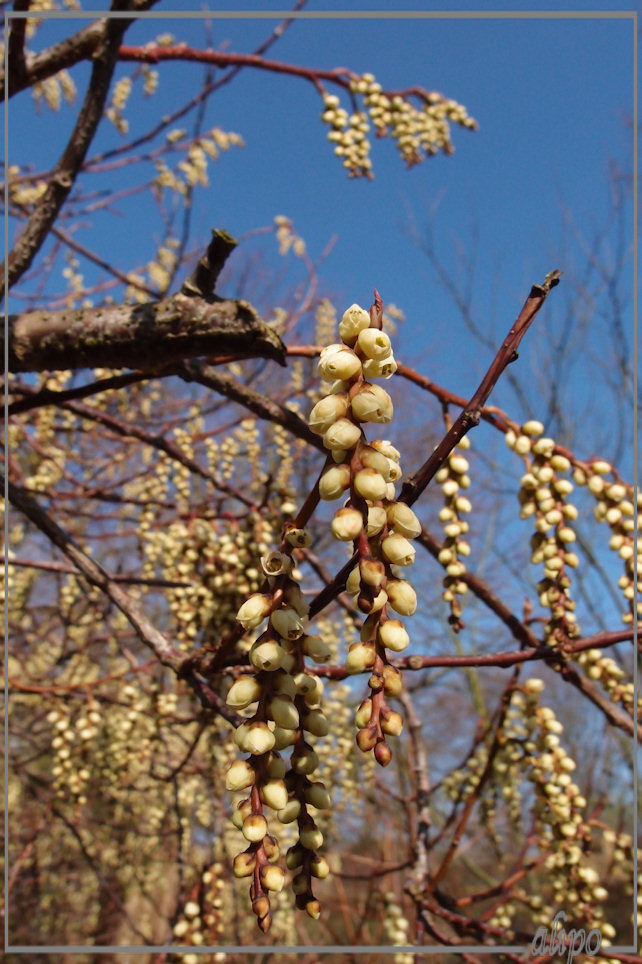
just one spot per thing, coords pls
(453, 477)
(379, 527)
(286, 700)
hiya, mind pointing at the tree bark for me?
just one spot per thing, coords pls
(148, 336)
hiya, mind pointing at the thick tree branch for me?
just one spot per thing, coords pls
(148, 337)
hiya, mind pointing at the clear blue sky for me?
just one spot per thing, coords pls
(552, 97)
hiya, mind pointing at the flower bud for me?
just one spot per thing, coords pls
(353, 582)
(299, 538)
(383, 754)
(266, 654)
(372, 459)
(283, 737)
(369, 484)
(287, 623)
(392, 723)
(313, 909)
(342, 435)
(360, 658)
(354, 320)
(240, 776)
(376, 520)
(243, 810)
(372, 404)
(392, 681)
(317, 796)
(304, 762)
(379, 368)
(290, 811)
(398, 550)
(272, 877)
(274, 794)
(320, 868)
(244, 691)
(401, 596)
(315, 722)
(294, 857)
(311, 838)
(284, 713)
(334, 481)
(254, 827)
(363, 714)
(244, 864)
(316, 649)
(393, 635)
(338, 362)
(275, 563)
(326, 412)
(532, 427)
(372, 572)
(374, 343)
(346, 524)
(254, 610)
(403, 520)
(366, 738)
(386, 448)
(256, 738)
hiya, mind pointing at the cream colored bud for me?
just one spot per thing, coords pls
(532, 427)
(372, 404)
(334, 481)
(315, 722)
(458, 464)
(522, 445)
(191, 909)
(560, 463)
(372, 459)
(317, 796)
(283, 683)
(363, 714)
(376, 520)
(244, 691)
(320, 868)
(294, 857)
(342, 435)
(275, 563)
(272, 877)
(244, 864)
(311, 838)
(274, 794)
(398, 550)
(239, 776)
(374, 343)
(254, 827)
(256, 738)
(393, 635)
(386, 448)
(360, 658)
(254, 610)
(284, 713)
(379, 368)
(372, 572)
(287, 623)
(369, 484)
(316, 649)
(298, 538)
(283, 738)
(601, 467)
(181, 928)
(289, 813)
(354, 320)
(533, 685)
(267, 654)
(346, 524)
(305, 762)
(326, 412)
(403, 520)
(338, 362)
(401, 596)
(393, 684)
(392, 723)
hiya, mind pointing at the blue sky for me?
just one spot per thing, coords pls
(551, 97)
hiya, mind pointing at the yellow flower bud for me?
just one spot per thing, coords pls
(304, 762)
(398, 550)
(311, 838)
(376, 520)
(392, 723)
(334, 481)
(401, 596)
(316, 649)
(254, 827)
(244, 691)
(393, 635)
(254, 610)
(386, 448)
(320, 868)
(369, 484)
(338, 362)
(360, 658)
(272, 877)
(354, 320)
(287, 623)
(342, 435)
(289, 813)
(372, 459)
(315, 722)
(363, 714)
(346, 524)
(267, 654)
(371, 572)
(317, 796)
(244, 864)
(326, 412)
(256, 738)
(532, 427)
(372, 404)
(239, 776)
(294, 857)
(379, 368)
(284, 713)
(374, 343)
(274, 794)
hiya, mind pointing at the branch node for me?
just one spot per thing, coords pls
(202, 281)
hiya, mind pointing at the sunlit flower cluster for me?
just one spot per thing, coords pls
(453, 477)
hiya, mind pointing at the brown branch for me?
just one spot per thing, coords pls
(38, 226)
(47, 396)
(149, 336)
(471, 414)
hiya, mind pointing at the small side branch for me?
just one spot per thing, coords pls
(471, 414)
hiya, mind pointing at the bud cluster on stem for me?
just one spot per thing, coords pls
(378, 526)
(453, 477)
